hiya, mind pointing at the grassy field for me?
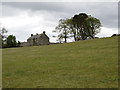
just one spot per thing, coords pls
(0, 68)
(84, 64)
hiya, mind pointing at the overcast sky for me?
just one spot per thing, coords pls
(24, 18)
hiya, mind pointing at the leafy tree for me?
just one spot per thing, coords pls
(88, 25)
(80, 20)
(2, 31)
(80, 27)
(18, 44)
(60, 38)
(0, 40)
(11, 41)
(2, 37)
(92, 26)
(72, 28)
(62, 29)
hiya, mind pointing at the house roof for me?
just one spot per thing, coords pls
(37, 36)
(34, 36)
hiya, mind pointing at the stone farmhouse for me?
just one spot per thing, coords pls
(35, 40)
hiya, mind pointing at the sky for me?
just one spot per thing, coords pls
(25, 18)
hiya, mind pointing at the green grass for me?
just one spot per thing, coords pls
(0, 68)
(84, 64)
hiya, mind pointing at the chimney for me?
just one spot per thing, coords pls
(43, 32)
(31, 34)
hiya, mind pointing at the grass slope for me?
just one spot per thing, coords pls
(84, 64)
(0, 68)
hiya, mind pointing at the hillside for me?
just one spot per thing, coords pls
(84, 64)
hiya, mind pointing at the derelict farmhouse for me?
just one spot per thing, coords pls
(35, 40)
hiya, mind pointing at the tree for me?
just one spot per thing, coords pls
(11, 41)
(0, 41)
(2, 37)
(62, 29)
(18, 44)
(72, 28)
(79, 20)
(92, 26)
(88, 26)
(80, 27)
(60, 38)
(2, 31)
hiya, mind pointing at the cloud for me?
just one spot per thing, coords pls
(24, 18)
(105, 11)
(107, 32)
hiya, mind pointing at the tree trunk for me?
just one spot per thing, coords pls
(77, 35)
(74, 33)
(65, 36)
(65, 40)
